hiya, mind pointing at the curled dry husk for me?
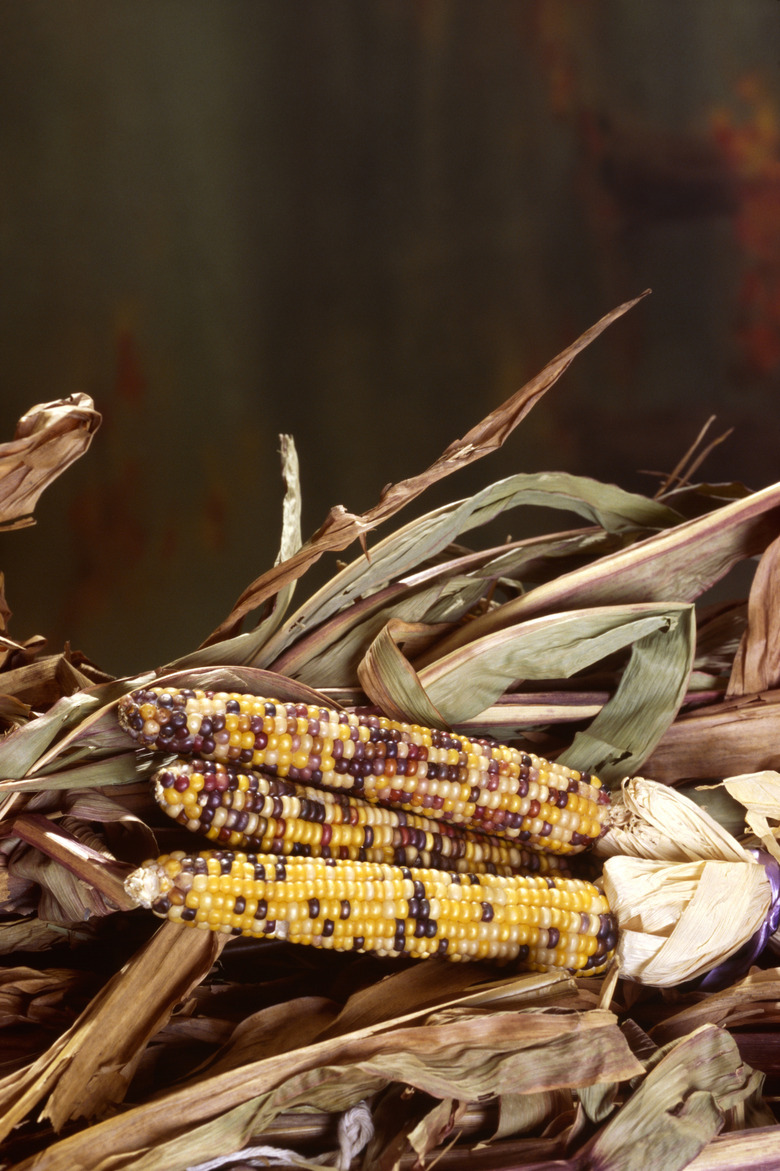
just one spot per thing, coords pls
(685, 893)
(48, 439)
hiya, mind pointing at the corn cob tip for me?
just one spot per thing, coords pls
(146, 885)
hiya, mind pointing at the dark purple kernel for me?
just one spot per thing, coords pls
(217, 722)
(314, 908)
(487, 912)
(240, 905)
(443, 947)
(327, 928)
(431, 927)
(606, 924)
(345, 909)
(281, 872)
(188, 914)
(523, 953)
(553, 936)
(233, 707)
(545, 830)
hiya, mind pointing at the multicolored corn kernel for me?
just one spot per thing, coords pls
(539, 922)
(239, 808)
(483, 785)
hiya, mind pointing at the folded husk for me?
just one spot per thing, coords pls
(679, 920)
(650, 820)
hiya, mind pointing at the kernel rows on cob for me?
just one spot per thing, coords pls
(485, 786)
(239, 808)
(539, 921)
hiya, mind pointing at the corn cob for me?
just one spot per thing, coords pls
(486, 786)
(242, 809)
(541, 922)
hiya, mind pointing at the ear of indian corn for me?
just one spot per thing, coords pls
(477, 783)
(540, 922)
(239, 808)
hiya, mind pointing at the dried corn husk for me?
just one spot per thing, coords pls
(677, 921)
(48, 439)
(650, 820)
(687, 895)
(760, 794)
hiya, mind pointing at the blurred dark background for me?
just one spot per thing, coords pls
(366, 223)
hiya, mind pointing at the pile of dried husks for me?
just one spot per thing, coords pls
(128, 1042)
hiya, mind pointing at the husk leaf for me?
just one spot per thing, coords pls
(528, 1051)
(678, 920)
(89, 1067)
(679, 563)
(756, 665)
(427, 536)
(648, 697)
(341, 527)
(760, 794)
(678, 1108)
(727, 738)
(655, 821)
(468, 680)
(48, 438)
